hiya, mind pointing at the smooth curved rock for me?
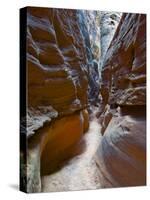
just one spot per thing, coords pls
(52, 144)
(64, 134)
(121, 156)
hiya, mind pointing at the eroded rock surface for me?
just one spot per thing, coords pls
(124, 69)
(121, 156)
(57, 81)
(89, 25)
(63, 54)
(108, 24)
(56, 59)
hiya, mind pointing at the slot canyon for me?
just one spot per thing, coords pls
(86, 94)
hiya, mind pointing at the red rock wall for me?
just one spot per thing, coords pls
(121, 156)
(124, 69)
(56, 60)
(57, 84)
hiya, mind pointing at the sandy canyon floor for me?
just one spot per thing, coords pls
(80, 172)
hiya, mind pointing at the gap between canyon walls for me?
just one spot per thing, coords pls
(81, 172)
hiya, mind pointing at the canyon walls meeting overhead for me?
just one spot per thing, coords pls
(83, 99)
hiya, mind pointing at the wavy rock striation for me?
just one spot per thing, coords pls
(56, 60)
(121, 156)
(63, 52)
(57, 89)
(124, 69)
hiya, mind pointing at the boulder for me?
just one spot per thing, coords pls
(85, 120)
(105, 118)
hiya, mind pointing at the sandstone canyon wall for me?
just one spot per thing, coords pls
(57, 75)
(57, 95)
(108, 24)
(121, 156)
(76, 59)
(89, 25)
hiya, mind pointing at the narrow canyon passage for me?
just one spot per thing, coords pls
(86, 115)
(80, 173)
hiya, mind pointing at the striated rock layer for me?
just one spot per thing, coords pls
(121, 156)
(56, 61)
(62, 75)
(124, 69)
(57, 83)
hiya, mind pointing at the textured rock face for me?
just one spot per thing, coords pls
(88, 21)
(57, 78)
(92, 21)
(108, 24)
(121, 156)
(97, 29)
(37, 117)
(124, 69)
(63, 51)
(56, 61)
